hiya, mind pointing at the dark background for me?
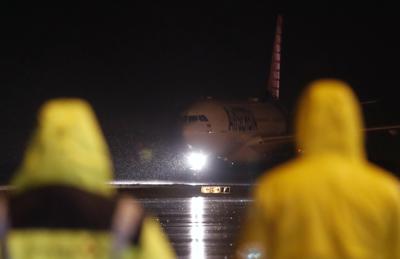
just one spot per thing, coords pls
(140, 65)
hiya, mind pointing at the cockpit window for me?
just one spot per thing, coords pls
(194, 118)
(203, 118)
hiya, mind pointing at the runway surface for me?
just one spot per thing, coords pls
(198, 225)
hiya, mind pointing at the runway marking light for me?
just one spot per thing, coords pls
(196, 161)
(216, 189)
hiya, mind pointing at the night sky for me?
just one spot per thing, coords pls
(139, 65)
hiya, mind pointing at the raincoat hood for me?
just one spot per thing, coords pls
(329, 121)
(329, 202)
(67, 148)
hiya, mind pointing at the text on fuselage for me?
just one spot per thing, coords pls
(240, 119)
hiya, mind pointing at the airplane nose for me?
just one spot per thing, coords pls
(200, 137)
(195, 134)
(190, 131)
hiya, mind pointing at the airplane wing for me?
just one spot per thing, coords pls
(271, 140)
(290, 138)
(391, 127)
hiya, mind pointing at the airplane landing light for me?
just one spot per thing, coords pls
(196, 161)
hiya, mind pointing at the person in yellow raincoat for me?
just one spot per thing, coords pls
(62, 205)
(329, 202)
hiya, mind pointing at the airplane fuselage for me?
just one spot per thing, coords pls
(233, 130)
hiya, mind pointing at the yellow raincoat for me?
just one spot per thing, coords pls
(329, 202)
(68, 155)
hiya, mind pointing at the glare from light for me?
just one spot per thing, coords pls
(196, 161)
(254, 255)
(197, 229)
(251, 251)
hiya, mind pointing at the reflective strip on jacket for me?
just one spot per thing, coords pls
(44, 243)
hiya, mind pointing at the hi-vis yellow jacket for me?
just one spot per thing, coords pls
(329, 202)
(62, 205)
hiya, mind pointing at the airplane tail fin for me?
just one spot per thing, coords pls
(274, 75)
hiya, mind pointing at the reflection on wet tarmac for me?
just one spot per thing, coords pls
(200, 227)
(197, 228)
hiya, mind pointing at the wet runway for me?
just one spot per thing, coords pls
(198, 225)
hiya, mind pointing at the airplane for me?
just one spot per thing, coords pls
(242, 131)
(238, 131)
